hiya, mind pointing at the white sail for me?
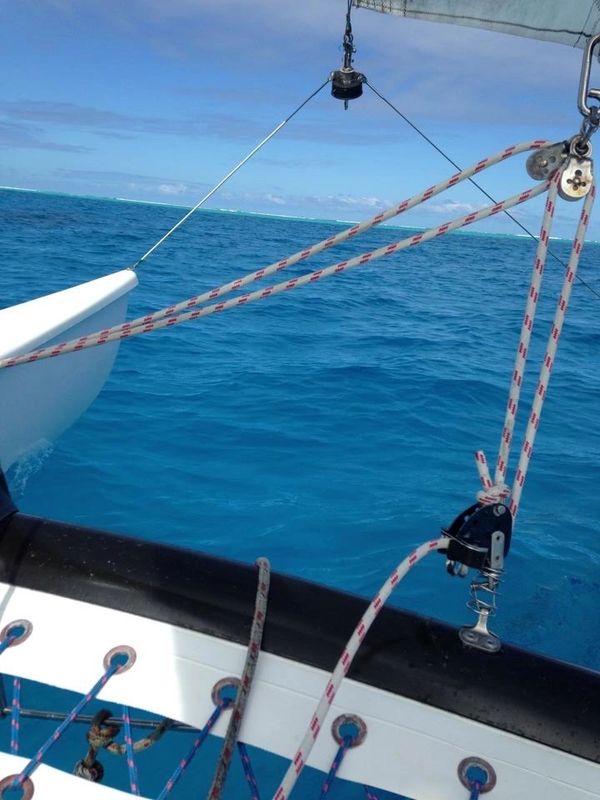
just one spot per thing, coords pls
(570, 22)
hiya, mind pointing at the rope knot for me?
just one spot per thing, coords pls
(495, 493)
(491, 492)
(102, 732)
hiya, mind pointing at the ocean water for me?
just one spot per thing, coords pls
(332, 428)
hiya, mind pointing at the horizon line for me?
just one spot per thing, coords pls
(268, 215)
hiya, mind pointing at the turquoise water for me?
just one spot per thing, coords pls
(333, 428)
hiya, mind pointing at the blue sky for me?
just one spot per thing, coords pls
(155, 100)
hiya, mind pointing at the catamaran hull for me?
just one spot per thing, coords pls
(427, 701)
(39, 401)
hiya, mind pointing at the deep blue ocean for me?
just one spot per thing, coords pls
(332, 428)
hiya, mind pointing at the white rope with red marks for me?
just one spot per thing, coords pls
(343, 236)
(526, 330)
(497, 490)
(168, 317)
(345, 661)
(551, 348)
(128, 330)
(491, 492)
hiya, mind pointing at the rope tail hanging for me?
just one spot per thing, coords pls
(235, 721)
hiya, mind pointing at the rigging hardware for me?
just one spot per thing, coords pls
(590, 113)
(576, 178)
(480, 538)
(479, 636)
(541, 164)
(101, 733)
(573, 158)
(346, 83)
(471, 534)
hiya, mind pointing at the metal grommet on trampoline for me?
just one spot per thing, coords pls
(123, 655)
(26, 787)
(19, 630)
(225, 690)
(349, 726)
(474, 769)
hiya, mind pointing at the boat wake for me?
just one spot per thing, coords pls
(23, 470)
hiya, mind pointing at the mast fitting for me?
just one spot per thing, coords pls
(346, 83)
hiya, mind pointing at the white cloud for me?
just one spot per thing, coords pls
(452, 207)
(172, 188)
(349, 201)
(360, 202)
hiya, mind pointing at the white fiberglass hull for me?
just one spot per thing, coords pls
(38, 401)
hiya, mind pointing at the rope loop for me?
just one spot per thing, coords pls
(493, 491)
(245, 683)
(120, 749)
(101, 734)
(496, 493)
